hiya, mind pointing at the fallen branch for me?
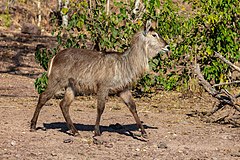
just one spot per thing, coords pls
(107, 7)
(226, 61)
(229, 83)
(237, 96)
(224, 97)
(205, 83)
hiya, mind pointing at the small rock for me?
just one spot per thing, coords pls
(32, 154)
(162, 145)
(53, 154)
(236, 154)
(98, 141)
(180, 151)
(13, 143)
(68, 141)
(18, 156)
(108, 145)
(135, 155)
(175, 135)
(28, 28)
(44, 129)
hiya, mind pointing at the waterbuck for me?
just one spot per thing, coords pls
(88, 71)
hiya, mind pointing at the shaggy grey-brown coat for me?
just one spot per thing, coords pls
(87, 71)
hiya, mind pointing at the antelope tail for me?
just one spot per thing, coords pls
(50, 66)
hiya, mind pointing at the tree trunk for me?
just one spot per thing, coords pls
(107, 7)
(59, 5)
(65, 16)
(39, 13)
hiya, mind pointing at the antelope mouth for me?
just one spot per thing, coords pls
(166, 48)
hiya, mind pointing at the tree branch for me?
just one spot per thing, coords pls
(226, 61)
(139, 9)
(136, 6)
(222, 84)
(223, 97)
(107, 7)
(205, 83)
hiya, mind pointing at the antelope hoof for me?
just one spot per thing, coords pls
(33, 129)
(144, 135)
(97, 133)
(76, 134)
(73, 131)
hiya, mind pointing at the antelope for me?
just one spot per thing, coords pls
(92, 72)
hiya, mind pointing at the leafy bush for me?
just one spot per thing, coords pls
(211, 26)
(43, 56)
(193, 34)
(41, 83)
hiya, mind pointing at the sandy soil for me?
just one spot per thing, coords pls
(172, 134)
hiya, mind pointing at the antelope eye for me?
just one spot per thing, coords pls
(154, 35)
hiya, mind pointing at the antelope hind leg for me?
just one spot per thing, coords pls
(65, 105)
(43, 98)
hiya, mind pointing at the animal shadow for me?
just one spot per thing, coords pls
(127, 129)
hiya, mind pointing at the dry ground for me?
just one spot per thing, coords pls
(172, 134)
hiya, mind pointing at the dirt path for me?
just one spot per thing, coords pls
(172, 134)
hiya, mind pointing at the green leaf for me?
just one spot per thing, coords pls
(64, 11)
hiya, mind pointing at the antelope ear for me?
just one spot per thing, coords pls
(147, 27)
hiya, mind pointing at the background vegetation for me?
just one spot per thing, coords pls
(194, 30)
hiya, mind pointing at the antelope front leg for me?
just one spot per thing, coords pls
(102, 95)
(126, 96)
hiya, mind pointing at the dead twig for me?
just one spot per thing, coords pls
(224, 97)
(205, 83)
(229, 83)
(226, 61)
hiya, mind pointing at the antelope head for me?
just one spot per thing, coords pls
(154, 42)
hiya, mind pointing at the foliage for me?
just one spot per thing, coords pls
(193, 34)
(215, 28)
(105, 31)
(6, 17)
(43, 56)
(95, 29)
(41, 83)
(211, 26)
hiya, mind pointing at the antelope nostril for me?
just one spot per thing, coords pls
(167, 47)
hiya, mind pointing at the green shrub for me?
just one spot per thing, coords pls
(193, 37)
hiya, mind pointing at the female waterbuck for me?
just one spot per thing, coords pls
(88, 71)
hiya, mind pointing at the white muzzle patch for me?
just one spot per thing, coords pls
(166, 48)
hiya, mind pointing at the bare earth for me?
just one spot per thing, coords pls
(172, 133)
